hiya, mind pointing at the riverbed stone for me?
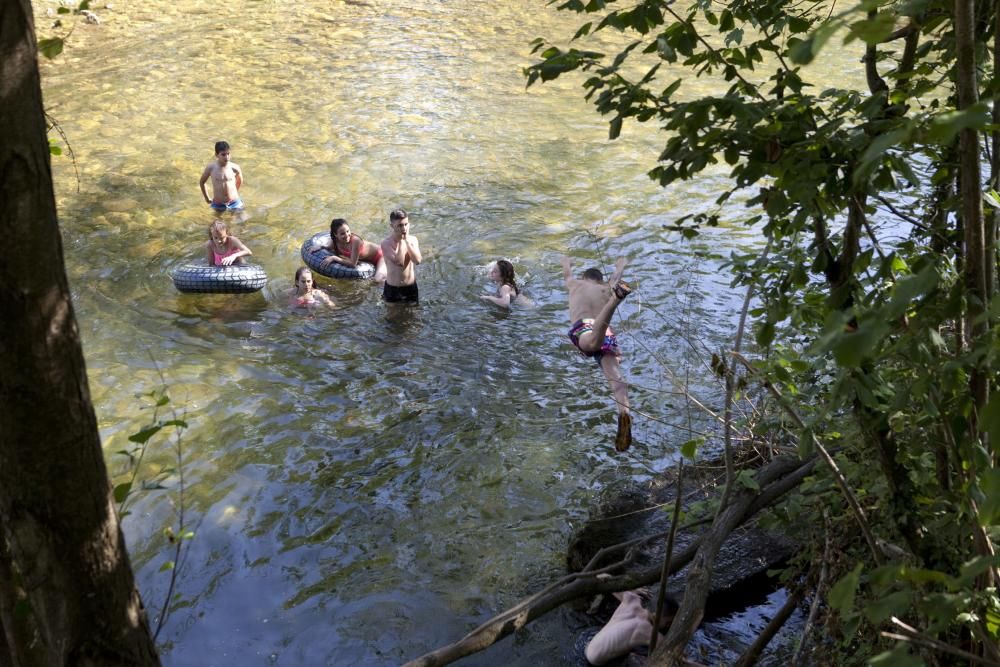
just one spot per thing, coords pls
(120, 205)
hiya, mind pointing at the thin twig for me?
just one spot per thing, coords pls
(852, 501)
(54, 124)
(727, 421)
(909, 634)
(903, 216)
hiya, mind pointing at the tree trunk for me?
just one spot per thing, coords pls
(63, 549)
(971, 190)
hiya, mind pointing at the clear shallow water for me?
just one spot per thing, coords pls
(367, 484)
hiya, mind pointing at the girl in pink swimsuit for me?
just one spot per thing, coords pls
(305, 294)
(224, 249)
(349, 249)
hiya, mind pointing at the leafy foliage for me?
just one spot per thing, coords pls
(869, 316)
(155, 480)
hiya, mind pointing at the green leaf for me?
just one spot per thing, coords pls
(145, 434)
(873, 30)
(989, 480)
(726, 21)
(121, 492)
(945, 126)
(690, 448)
(842, 593)
(796, 24)
(856, 346)
(909, 288)
(22, 609)
(745, 478)
(169, 565)
(765, 334)
(85, 4)
(63, 10)
(991, 198)
(975, 567)
(615, 128)
(806, 444)
(50, 48)
(894, 604)
(803, 52)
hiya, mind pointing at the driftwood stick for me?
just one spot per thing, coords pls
(776, 479)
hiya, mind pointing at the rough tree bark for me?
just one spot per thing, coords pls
(63, 555)
(971, 190)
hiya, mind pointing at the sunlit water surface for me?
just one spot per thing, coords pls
(369, 483)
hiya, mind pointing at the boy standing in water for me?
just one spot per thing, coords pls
(227, 179)
(402, 254)
(592, 302)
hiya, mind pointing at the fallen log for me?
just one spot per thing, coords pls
(774, 480)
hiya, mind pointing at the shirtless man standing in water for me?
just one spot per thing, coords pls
(592, 302)
(402, 254)
(227, 179)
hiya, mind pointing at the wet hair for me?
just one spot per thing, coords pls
(594, 274)
(221, 146)
(218, 224)
(335, 226)
(298, 274)
(398, 214)
(506, 270)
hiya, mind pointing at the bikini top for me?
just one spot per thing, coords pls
(373, 258)
(219, 258)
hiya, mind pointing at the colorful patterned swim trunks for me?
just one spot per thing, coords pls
(609, 346)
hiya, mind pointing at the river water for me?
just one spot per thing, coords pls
(369, 483)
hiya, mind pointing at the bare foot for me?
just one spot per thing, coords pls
(624, 437)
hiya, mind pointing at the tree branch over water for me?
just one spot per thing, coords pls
(775, 480)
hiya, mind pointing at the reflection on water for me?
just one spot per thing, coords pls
(371, 481)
